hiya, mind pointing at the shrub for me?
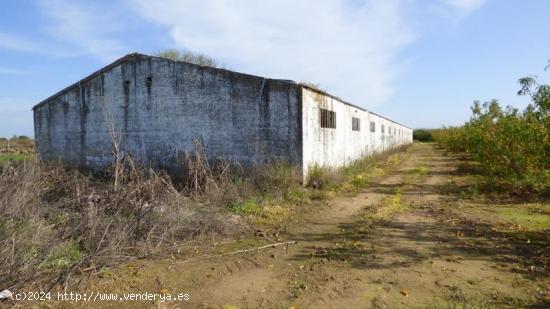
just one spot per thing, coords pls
(323, 177)
(53, 218)
(276, 178)
(189, 56)
(509, 144)
(423, 135)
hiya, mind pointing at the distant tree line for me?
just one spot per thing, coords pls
(423, 135)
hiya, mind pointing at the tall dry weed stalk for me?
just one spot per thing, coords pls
(55, 220)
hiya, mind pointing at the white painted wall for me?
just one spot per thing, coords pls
(340, 146)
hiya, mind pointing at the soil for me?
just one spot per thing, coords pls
(402, 242)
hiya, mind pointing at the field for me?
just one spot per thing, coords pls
(13, 157)
(15, 150)
(460, 219)
(410, 230)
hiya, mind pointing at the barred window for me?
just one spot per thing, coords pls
(355, 124)
(328, 119)
(372, 126)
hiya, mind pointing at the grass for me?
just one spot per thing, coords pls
(54, 218)
(4, 158)
(532, 217)
(391, 205)
(323, 184)
(240, 244)
(63, 255)
(529, 217)
(415, 174)
(249, 207)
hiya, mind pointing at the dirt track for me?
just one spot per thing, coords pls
(395, 244)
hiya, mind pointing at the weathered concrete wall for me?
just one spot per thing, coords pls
(159, 107)
(156, 108)
(341, 145)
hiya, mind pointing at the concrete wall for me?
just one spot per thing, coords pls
(340, 146)
(158, 107)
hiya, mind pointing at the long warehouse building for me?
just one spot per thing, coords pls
(157, 108)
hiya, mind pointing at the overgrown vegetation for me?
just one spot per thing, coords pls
(512, 147)
(189, 56)
(423, 135)
(53, 219)
(315, 86)
(56, 221)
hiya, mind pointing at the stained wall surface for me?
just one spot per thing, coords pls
(334, 147)
(156, 108)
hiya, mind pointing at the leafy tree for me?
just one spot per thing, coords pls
(539, 93)
(508, 143)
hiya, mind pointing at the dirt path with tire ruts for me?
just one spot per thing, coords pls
(400, 243)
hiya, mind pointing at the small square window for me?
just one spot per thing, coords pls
(328, 119)
(355, 124)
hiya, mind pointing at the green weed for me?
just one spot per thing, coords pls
(63, 255)
(249, 207)
(4, 158)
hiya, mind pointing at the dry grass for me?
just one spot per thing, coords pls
(56, 220)
(351, 177)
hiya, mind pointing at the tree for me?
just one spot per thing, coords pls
(539, 93)
(189, 56)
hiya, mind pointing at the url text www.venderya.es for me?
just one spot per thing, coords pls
(99, 296)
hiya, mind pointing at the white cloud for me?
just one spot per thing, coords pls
(88, 28)
(465, 6)
(348, 47)
(9, 71)
(12, 42)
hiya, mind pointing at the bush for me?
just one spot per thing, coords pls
(189, 56)
(423, 135)
(322, 177)
(509, 144)
(54, 219)
(276, 179)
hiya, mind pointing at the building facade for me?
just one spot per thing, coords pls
(156, 109)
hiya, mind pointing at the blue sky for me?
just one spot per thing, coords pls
(419, 62)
